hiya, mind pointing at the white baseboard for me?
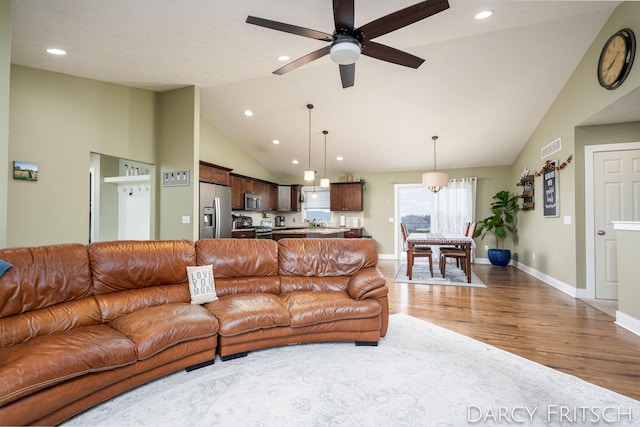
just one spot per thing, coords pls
(552, 281)
(629, 323)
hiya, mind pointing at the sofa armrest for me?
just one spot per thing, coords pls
(367, 283)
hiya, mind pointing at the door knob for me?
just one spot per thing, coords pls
(600, 232)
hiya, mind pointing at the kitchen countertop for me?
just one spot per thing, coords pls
(310, 230)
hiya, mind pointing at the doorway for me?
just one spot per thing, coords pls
(413, 207)
(609, 196)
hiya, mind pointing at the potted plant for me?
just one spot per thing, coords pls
(501, 222)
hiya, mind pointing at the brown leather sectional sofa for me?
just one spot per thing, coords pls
(80, 324)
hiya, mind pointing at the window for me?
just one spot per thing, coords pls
(414, 208)
(423, 211)
(318, 208)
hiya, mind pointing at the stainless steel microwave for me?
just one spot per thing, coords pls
(252, 202)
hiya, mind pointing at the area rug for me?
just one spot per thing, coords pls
(422, 276)
(419, 375)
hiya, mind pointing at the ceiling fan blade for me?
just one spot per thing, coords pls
(347, 75)
(402, 18)
(288, 28)
(303, 60)
(390, 54)
(343, 15)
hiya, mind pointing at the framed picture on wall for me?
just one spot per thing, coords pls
(25, 171)
(550, 185)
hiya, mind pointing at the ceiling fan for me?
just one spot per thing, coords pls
(348, 42)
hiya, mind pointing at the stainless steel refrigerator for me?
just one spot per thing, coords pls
(215, 211)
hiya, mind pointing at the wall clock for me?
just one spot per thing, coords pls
(616, 59)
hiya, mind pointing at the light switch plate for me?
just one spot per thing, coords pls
(176, 178)
(186, 219)
(567, 220)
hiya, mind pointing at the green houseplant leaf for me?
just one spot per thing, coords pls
(503, 218)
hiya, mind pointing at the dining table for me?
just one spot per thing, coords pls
(439, 239)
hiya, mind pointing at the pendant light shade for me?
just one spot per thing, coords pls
(310, 174)
(325, 182)
(435, 181)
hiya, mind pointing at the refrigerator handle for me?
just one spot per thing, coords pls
(216, 225)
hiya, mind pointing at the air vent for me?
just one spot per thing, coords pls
(551, 148)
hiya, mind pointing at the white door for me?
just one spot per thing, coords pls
(616, 198)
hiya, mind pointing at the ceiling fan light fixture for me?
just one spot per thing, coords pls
(345, 51)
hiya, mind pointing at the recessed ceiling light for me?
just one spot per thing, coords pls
(248, 113)
(339, 158)
(484, 14)
(54, 51)
(295, 162)
(275, 141)
(283, 58)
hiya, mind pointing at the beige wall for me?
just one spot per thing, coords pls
(560, 248)
(178, 142)
(216, 148)
(5, 61)
(56, 121)
(629, 271)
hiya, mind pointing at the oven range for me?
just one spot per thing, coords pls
(263, 231)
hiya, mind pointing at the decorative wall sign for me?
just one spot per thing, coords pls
(550, 189)
(25, 171)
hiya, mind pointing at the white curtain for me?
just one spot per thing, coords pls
(456, 205)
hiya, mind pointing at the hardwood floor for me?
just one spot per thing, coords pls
(523, 315)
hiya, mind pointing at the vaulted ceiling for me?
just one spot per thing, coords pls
(483, 88)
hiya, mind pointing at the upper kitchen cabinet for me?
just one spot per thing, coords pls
(214, 174)
(346, 196)
(239, 186)
(289, 198)
(267, 191)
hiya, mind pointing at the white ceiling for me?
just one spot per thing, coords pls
(483, 88)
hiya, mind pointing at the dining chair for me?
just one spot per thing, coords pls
(457, 253)
(416, 251)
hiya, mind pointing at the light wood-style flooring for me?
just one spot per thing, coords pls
(523, 315)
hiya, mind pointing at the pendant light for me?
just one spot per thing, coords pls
(435, 181)
(310, 174)
(324, 182)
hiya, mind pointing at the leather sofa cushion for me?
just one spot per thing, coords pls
(118, 304)
(157, 328)
(242, 313)
(50, 320)
(43, 276)
(302, 283)
(325, 257)
(128, 264)
(51, 359)
(310, 308)
(241, 265)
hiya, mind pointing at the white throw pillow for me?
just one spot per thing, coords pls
(201, 284)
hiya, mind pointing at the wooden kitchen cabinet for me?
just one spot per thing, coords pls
(346, 196)
(239, 186)
(268, 191)
(214, 174)
(289, 197)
